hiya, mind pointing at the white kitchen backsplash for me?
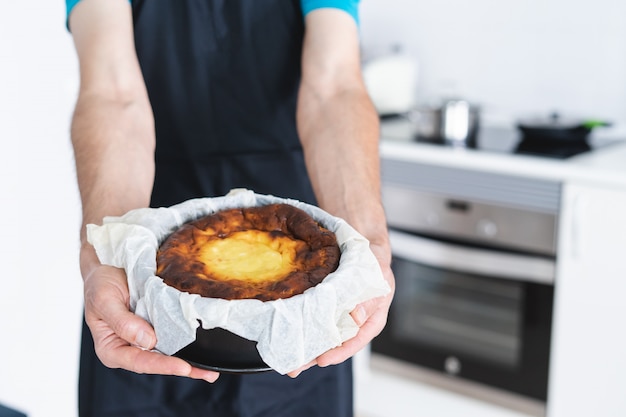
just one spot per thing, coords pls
(513, 57)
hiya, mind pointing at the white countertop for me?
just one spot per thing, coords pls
(605, 166)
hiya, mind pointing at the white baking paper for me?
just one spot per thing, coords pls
(290, 332)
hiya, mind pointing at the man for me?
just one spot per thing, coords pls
(190, 98)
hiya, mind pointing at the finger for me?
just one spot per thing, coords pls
(347, 349)
(362, 312)
(128, 326)
(149, 362)
(205, 374)
(295, 373)
(370, 329)
(116, 353)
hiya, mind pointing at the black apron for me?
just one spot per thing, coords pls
(222, 77)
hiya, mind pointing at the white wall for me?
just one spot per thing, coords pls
(40, 294)
(514, 57)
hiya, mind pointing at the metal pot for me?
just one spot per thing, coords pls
(459, 123)
(455, 122)
(426, 122)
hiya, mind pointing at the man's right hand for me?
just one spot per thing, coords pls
(121, 338)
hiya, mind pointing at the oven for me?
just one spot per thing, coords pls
(474, 257)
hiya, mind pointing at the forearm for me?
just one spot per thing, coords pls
(340, 136)
(113, 140)
(112, 128)
(339, 131)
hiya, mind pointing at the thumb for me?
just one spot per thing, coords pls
(363, 311)
(129, 326)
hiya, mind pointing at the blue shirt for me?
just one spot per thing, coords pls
(349, 6)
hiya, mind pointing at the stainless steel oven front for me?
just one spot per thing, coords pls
(474, 256)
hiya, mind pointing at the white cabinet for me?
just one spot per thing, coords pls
(588, 363)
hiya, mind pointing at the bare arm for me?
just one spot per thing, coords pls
(112, 128)
(113, 140)
(339, 130)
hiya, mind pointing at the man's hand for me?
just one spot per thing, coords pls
(370, 316)
(122, 339)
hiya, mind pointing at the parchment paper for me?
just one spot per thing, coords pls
(290, 332)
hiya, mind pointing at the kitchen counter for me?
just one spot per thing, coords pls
(606, 165)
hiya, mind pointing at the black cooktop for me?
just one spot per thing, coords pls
(504, 139)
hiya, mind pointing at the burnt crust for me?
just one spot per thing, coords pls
(317, 253)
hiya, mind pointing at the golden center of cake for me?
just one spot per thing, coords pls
(266, 252)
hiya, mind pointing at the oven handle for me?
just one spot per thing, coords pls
(473, 260)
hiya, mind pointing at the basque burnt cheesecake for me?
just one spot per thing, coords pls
(265, 252)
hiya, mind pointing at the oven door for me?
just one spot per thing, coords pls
(479, 314)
